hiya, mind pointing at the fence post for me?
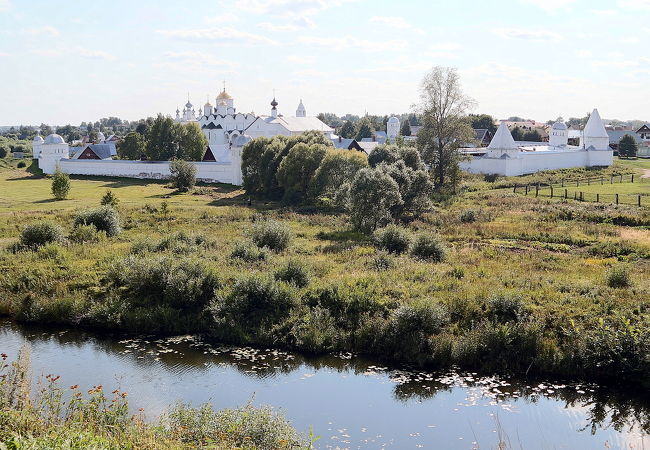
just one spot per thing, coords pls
(566, 193)
(617, 199)
(537, 190)
(638, 200)
(582, 198)
(597, 198)
(575, 195)
(526, 189)
(602, 180)
(551, 191)
(611, 179)
(577, 183)
(515, 189)
(588, 181)
(632, 178)
(562, 182)
(621, 178)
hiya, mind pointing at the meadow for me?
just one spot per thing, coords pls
(532, 286)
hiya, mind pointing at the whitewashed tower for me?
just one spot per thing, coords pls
(559, 136)
(594, 135)
(301, 111)
(392, 127)
(502, 144)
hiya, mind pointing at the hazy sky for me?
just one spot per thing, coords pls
(69, 61)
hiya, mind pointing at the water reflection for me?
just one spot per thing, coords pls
(192, 366)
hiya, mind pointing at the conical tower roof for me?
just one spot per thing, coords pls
(502, 139)
(595, 127)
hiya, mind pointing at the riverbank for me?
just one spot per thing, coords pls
(525, 287)
(54, 416)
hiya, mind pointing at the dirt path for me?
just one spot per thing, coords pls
(646, 173)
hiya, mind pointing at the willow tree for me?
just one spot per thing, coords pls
(443, 108)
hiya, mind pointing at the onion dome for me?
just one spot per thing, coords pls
(224, 96)
(274, 103)
(38, 139)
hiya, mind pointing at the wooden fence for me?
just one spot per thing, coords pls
(568, 189)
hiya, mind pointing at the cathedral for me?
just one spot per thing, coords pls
(225, 128)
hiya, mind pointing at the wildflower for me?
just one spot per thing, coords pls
(3, 356)
(74, 386)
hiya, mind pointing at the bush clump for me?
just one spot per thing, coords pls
(382, 262)
(60, 184)
(184, 283)
(21, 164)
(183, 175)
(38, 234)
(109, 199)
(271, 234)
(429, 247)
(619, 277)
(255, 302)
(84, 233)
(103, 218)
(293, 272)
(248, 252)
(506, 308)
(393, 239)
(468, 216)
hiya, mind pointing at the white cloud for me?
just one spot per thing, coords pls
(287, 7)
(222, 35)
(629, 40)
(341, 43)
(296, 59)
(297, 23)
(527, 34)
(222, 18)
(583, 53)
(550, 5)
(397, 22)
(76, 52)
(196, 58)
(635, 4)
(46, 30)
(5, 5)
(620, 64)
(605, 12)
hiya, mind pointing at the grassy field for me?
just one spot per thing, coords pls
(525, 287)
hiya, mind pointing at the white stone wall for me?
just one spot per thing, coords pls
(532, 162)
(209, 172)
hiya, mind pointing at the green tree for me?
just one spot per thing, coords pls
(517, 134)
(252, 171)
(415, 189)
(163, 139)
(337, 168)
(483, 122)
(298, 168)
(532, 136)
(4, 150)
(445, 127)
(627, 147)
(405, 129)
(364, 129)
(347, 130)
(109, 199)
(132, 147)
(193, 142)
(60, 184)
(372, 196)
(183, 174)
(385, 153)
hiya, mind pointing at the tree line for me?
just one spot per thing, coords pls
(394, 183)
(164, 139)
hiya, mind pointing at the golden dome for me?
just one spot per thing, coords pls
(224, 96)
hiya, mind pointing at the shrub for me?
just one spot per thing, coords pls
(619, 276)
(60, 184)
(183, 175)
(271, 234)
(39, 234)
(468, 216)
(109, 199)
(382, 262)
(248, 252)
(84, 233)
(21, 164)
(490, 177)
(429, 247)
(4, 151)
(294, 272)
(506, 308)
(393, 239)
(103, 218)
(179, 283)
(254, 302)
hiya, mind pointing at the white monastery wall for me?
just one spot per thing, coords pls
(210, 172)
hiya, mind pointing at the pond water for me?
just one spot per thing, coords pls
(349, 402)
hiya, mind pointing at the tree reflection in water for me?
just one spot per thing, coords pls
(603, 407)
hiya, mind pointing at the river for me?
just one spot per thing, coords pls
(350, 402)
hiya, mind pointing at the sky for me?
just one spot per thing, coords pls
(71, 61)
